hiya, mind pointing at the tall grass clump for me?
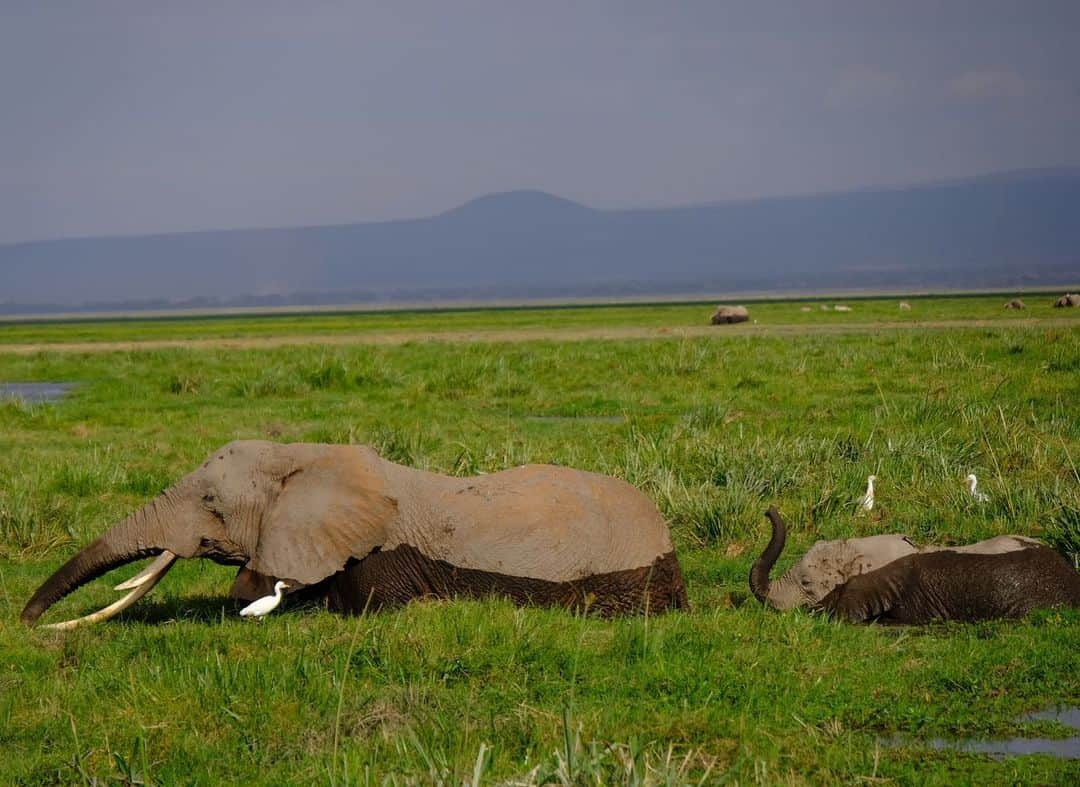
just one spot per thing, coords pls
(183, 384)
(400, 444)
(31, 524)
(1063, 531)
(267, 383)
(84, 478)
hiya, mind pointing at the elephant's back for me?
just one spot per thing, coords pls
(978, 586)
(539, 521)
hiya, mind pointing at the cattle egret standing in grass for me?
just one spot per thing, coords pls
(264, 605)
(867, 502)
(972, 485)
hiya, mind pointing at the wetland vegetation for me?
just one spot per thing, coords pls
(713, 427)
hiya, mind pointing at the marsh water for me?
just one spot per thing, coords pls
(35, 393)
(1064, 748)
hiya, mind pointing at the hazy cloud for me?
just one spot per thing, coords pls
(987, 83)
(862, 83)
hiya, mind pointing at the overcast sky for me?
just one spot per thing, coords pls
(122, 118)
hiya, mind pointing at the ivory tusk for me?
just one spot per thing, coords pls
(164, 559)
(146, 581)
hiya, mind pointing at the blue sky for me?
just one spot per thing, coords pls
(139, 117)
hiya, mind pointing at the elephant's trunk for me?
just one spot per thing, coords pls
(759, 572)
(140, 535)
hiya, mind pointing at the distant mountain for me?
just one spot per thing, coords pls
(1001, 230)
(518, 207)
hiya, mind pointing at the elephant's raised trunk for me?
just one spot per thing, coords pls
(140, 535)
(759, 572)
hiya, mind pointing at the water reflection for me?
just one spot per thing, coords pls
(1064, 748)
(35, 393)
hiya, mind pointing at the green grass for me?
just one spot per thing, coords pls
(713, 428)
(767, 312)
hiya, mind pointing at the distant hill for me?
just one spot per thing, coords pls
(1001, 230)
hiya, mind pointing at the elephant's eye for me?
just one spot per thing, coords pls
(208, 498)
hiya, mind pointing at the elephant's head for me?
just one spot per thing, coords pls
(826, 565)
(292, 512)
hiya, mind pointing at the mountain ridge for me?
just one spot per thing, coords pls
(1018, 228)
(1063, 171)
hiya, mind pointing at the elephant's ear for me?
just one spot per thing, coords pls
(331, 507)
(868, 596)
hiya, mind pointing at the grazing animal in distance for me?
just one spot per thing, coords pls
(949, 584)
(867, 502)
(972, 484)
(1015, 303)
(1067, 300)
(841, 308)
(905, 306)
(265, 605)
(341, 524)
(730, 314)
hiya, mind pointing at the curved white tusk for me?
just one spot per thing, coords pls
(147, 580)
(164, 559)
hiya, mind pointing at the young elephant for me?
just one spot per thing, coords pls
(826, 565)
(829, 564)
(954, 585)
(339, 522)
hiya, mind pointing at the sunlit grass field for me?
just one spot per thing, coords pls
(714, 428)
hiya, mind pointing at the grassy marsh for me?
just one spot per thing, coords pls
(713, 428)
(785, 312)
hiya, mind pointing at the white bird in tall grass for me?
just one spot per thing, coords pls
(264, 605)
(972, 486)
(867, 502)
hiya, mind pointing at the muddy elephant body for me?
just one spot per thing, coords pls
(953, 585)
(829, 564)
(341, 523)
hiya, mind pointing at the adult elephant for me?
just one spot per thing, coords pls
(341, 523)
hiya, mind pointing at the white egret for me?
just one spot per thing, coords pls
(972, 486)
(867, 502)
(264, 605)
